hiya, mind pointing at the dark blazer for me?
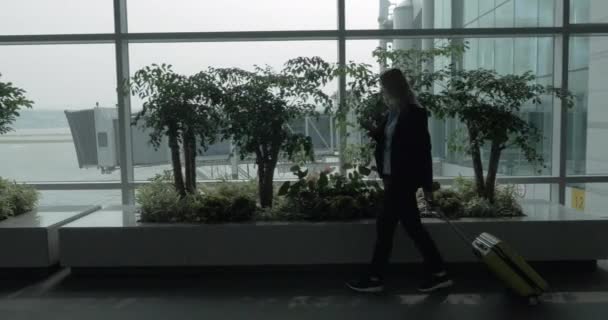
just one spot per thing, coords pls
(411, 162)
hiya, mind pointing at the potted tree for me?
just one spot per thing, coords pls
(488, 105)
(182, 108)
(259, 104)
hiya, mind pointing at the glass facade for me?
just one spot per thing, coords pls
(73, 87)
(65, 56)
(240, 15)
(56, 17)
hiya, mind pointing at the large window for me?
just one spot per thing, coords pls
(56, 17)
(507, 56)
(588, 119)
(64, 54)
(68, 135)
(429, 14)
(588, 11)
(239, 15)
(189, 58)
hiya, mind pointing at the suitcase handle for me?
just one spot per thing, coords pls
(443, 217)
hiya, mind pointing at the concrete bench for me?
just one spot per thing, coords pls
(31, 240)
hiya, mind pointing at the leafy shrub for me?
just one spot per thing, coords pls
(242, 209)
(479, 207)
(326, 196)
(462, 201)
(450, 202)
(6, 209)
(16, 199)
(159, 201)
(232, 190)
(344, 208)
(213, 209)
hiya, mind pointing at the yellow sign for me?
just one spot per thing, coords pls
(578, 199)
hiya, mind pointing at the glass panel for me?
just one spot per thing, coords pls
(505, 13)
(471, 11)
(189, 58)
(56, 17)
(505, 56)
(526, 55)
(80, 197)
(588, 11)
(242, 15)
(486, 53)
(546, 9)
(588, 119)
(428, 14)
(526, 13)
(590, 198)
(57, 139)
(545, 192)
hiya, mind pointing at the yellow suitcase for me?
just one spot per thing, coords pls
(510, 267)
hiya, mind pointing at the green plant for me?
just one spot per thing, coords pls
(159, 201)
(343, 208)
(12, 100)
(327, 196)
(232, 189)
(23, 198)
(182, 108)
(488, 105)
(480, 207)
(258, 106)
(16, 199)
(242, 208)
(214, 209)
(6, 209)
(462, 200)
(450, 202)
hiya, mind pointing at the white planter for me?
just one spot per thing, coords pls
(31, 240)
(113, 238)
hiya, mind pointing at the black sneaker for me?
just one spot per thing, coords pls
(435, 282)
(367, 284)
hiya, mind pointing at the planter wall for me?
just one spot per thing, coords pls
(113, 238)
(31, 240)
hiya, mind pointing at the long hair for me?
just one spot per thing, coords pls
(396, 85)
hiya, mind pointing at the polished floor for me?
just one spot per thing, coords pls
(320, 294)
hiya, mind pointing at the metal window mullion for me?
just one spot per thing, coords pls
(563, 147)
(124, 102)
(342, 76)
(300, 35)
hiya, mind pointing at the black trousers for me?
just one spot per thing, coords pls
(401, 206)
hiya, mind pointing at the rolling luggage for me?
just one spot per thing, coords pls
(504, 262)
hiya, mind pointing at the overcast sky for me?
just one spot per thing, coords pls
(63, 77)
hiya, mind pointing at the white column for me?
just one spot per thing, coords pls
(124, 102)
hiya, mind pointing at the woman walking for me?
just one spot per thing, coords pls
(403, 159)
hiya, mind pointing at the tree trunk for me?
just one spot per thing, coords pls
(477, 164)
(492, 170)
(177, 165)
(343, 135)
(190, 158)
(266, 166)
